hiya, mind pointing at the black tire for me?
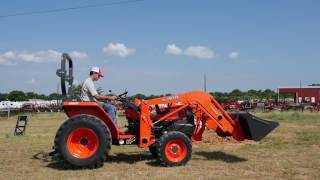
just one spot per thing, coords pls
(165, 141)
(101, 138)
(153, 150)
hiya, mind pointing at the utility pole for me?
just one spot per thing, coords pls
(278, 96)
(300, 95)
(57, 93)
(205, 83)
(8, 111)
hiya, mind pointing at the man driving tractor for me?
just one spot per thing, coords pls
(85, 139)
(90, 94)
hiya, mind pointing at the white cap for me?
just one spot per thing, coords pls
(97, 70)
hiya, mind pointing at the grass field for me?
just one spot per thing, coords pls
(292, 151)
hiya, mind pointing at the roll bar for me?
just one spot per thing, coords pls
(66, 77)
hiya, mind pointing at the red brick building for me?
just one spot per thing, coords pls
(308, 94)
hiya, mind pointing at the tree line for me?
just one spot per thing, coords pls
(25, 96)
(236, 95)
(232, 96)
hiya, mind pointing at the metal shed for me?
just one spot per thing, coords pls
(307, 94)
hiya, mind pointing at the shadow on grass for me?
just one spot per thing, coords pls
(221, 156)
(132, 158)
(44, 156)
(49, 157)
(129, 158)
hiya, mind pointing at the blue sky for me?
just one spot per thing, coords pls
(243, 44)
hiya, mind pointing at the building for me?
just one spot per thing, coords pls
(308, 94)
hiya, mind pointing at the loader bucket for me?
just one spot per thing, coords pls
(253, 128)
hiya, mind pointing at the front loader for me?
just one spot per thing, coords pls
(166, 125)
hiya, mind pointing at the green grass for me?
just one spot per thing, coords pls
(290, 115)
(292, 151)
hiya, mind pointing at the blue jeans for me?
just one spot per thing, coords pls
(111, 110)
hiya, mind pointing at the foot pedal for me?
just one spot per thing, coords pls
(21, 125)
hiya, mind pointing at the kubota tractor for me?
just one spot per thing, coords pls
(166, 125)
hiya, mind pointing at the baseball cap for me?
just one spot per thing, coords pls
(97, 70)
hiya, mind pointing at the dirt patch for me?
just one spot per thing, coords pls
(316, 146)
(290, 136)
(211, 138)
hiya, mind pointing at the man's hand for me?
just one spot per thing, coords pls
(112, 98)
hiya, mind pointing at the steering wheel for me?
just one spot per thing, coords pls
(122, 97)
(126, 102)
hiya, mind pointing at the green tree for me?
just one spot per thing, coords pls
(252, 94)
(17, 96)
(4, 96)
(154, 96)
(268, 94)
(236, 93)
(76, 91)
(32, 95)
(220, 97)
(139, 96)
(315, 84)
(42, 96)
(54, 96)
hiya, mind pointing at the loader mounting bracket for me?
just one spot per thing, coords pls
(66, 77)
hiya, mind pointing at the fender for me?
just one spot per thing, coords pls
(91, 108)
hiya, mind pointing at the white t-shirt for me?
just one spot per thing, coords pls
(88, 91)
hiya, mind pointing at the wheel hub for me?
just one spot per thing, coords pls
(82, 143)
(174, 149)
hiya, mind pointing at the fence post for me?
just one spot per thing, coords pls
(8, 112)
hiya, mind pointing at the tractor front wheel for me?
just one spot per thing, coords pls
(83, 141)
(174, 149)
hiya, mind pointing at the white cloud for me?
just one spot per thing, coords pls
(4, 61)
(234, 55)
(31, 81)
(8, 55)
(173, 50)
(200, 52)
(7, 58)
(118, 49)
(78, 55)
(12, 57)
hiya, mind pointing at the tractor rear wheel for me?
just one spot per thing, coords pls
(83, 141)
(174, 149)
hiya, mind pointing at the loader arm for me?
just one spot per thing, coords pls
(210, 114)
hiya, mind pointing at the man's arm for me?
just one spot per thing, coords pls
(97, 96)
(108, 98)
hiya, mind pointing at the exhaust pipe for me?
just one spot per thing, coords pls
(252, 127)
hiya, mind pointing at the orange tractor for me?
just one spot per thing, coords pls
(166, 125)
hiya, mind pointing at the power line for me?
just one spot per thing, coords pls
(69, 8)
